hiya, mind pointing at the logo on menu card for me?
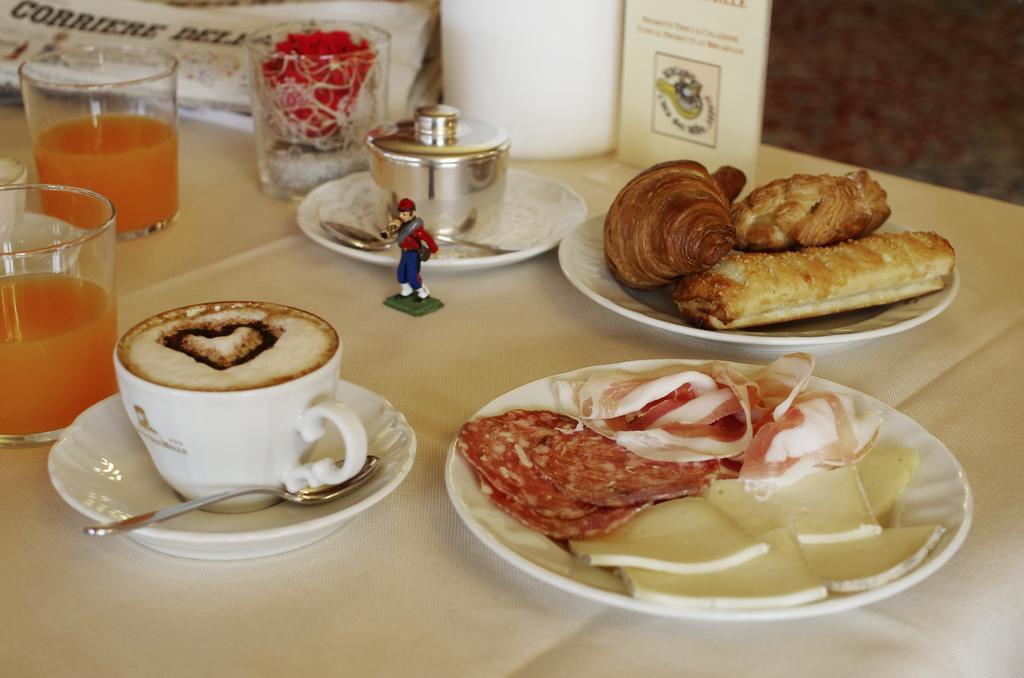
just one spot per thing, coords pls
(686, 99)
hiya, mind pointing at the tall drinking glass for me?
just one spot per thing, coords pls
(58, 314)
(105, 119)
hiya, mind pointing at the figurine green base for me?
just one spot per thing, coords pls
(412, 307)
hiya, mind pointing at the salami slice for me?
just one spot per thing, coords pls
(597, 470)
(498, 448)
(594, 524)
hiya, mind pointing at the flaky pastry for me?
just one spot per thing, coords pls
(809, 211)
(761, 288)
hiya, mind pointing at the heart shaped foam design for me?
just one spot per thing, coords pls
(222, 352)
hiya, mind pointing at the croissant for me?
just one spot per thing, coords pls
(805, 210)
(731, 179)
(670, 220)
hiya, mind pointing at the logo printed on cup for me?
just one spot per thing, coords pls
(234, 394)
(147, 431)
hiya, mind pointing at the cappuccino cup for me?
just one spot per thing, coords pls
(227, 395)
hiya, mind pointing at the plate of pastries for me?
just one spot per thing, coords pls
(800, 261)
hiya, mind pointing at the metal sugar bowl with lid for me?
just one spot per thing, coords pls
(452, 167)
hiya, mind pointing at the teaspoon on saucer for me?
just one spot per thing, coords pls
(361, 240)
(309, 497)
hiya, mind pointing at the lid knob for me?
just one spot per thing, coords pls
(436, 125)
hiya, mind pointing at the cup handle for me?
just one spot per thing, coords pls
(327, 471)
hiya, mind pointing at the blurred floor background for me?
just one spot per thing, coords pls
(927, 89)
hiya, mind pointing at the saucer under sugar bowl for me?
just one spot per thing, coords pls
(453, 168)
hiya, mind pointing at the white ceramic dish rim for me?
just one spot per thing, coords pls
(834, 603)
(948, 294)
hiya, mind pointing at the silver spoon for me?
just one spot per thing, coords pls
(361, 240)
(309, 497)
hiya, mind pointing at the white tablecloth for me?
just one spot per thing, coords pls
(406, 589)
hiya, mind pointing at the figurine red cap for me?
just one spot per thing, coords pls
(406, 205)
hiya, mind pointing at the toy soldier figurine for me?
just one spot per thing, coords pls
(416, 245)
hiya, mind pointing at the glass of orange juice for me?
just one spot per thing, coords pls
(58, 314)
(105, 119)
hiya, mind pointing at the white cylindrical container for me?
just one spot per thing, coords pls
(547, 71)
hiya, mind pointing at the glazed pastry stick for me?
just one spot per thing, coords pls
(747, 290)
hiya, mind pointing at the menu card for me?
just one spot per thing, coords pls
(693, 82)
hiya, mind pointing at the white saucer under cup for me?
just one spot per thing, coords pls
(101, 469)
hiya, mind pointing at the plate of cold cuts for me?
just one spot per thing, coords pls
(709, 490)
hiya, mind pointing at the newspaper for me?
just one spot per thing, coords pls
(210, 42)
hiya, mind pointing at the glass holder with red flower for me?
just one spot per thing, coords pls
(317, 88)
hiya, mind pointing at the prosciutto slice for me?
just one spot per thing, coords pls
(818, 428)
(701, 420)
(782, 381)
(714, 411)
(606, 395)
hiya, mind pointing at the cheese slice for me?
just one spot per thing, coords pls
(685, 536)
(827, 506)
(778, 578)
(884, 474)
(868, 563)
